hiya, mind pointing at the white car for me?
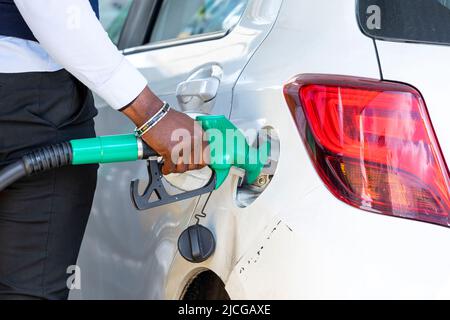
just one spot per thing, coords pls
(357, 208)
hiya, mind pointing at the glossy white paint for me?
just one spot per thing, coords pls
(333, 250)
(296, 240)
(134, 250)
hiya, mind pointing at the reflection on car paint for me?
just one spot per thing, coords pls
(213, 16)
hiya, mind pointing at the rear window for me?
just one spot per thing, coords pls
(426, 21)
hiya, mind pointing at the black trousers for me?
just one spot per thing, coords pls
(43, 218)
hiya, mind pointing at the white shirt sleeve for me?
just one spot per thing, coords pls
(73, 36)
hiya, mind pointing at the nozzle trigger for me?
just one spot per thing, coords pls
(156, 187)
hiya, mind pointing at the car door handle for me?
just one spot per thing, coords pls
(204, 89)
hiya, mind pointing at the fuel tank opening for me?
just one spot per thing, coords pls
(246, 193)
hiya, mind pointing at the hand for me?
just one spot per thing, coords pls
(177, 137)
(180, 155)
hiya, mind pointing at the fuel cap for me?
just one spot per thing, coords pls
(196, 244)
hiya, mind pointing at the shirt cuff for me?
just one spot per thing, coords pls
(123, 87)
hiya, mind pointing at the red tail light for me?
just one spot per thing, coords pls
(373, 145)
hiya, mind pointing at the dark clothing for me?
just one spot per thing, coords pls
(43, 218)
(13, 25)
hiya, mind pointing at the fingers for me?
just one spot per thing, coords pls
(181, 142)
(193, 166)
(177, 163)
(182, 166)
(168, 167)
(183, 161)
(196, 158)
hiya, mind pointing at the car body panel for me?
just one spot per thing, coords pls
(334, 251)
(127, 254)
(303, 243)
(296, 241)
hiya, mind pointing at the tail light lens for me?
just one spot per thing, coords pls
(373, 145)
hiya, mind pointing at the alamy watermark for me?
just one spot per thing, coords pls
(74, 280)
(225, 147)
(73, 17)
(374, 17)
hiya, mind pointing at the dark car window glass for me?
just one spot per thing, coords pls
(113, 15)
(179, 19)
(426, 21)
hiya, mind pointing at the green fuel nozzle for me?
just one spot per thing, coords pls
(228, 148)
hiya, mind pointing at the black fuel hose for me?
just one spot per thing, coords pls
(62, 154)
(11, 174)
(38, 161)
